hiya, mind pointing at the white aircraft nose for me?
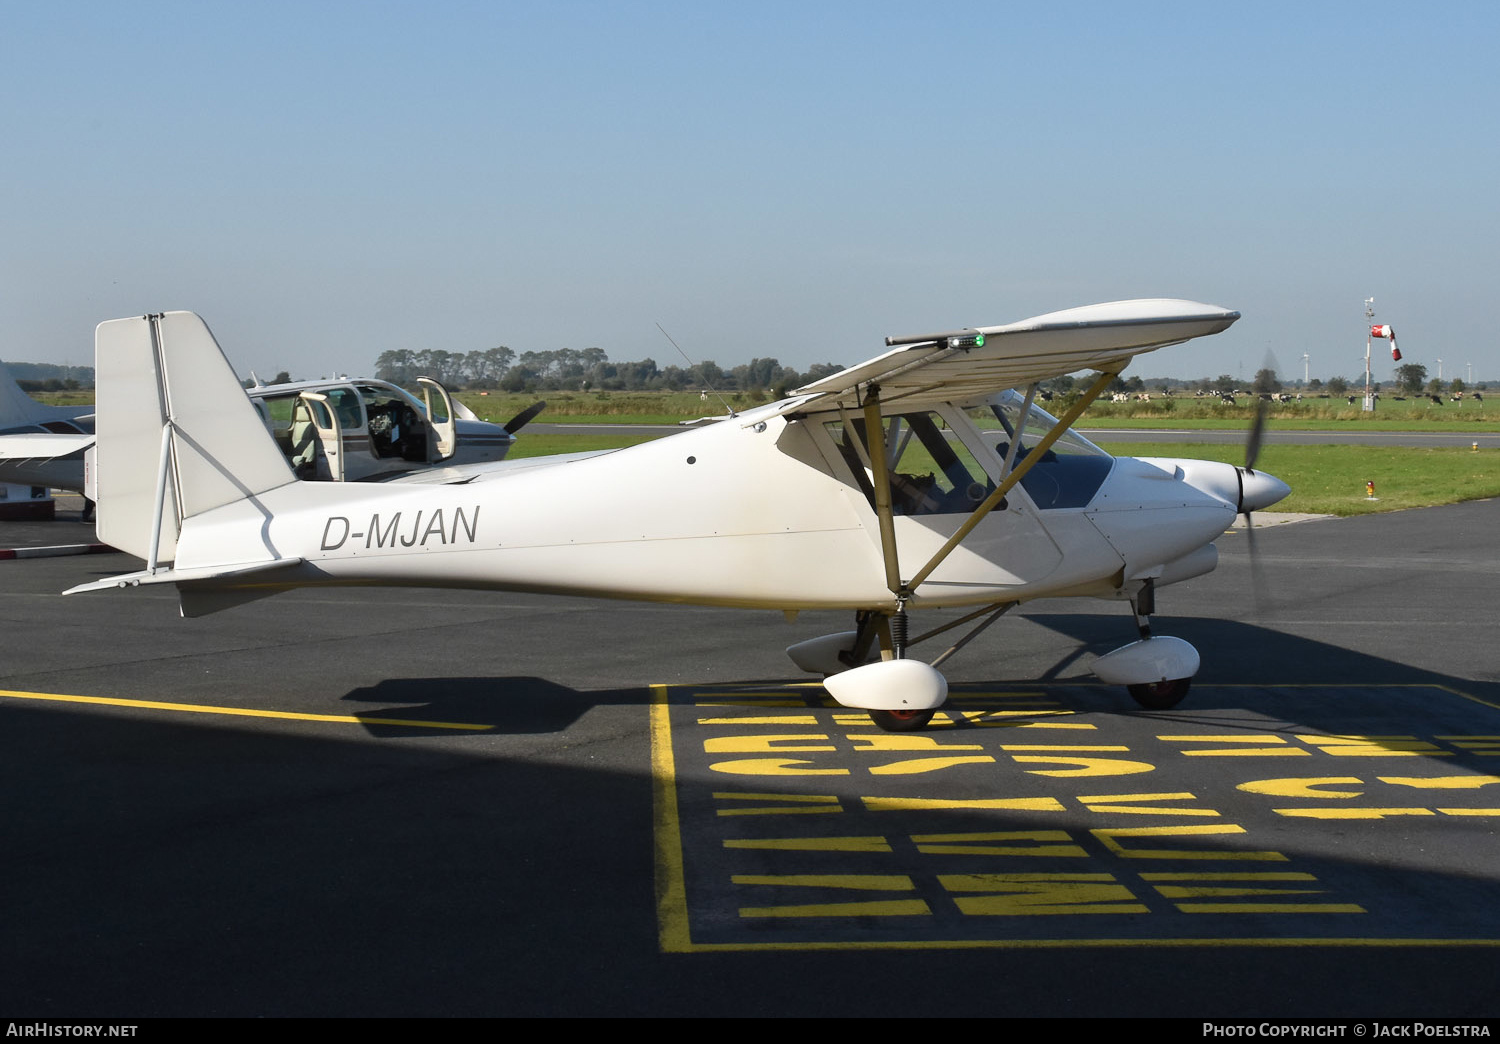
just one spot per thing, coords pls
(1260, 489)
(1243, 489)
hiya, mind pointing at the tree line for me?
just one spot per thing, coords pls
(587, 369)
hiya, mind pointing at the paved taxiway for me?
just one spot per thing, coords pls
(305, 830)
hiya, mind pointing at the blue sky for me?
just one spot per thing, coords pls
(327, 181)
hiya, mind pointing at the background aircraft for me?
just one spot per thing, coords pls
(41, 445)
(342, 430)
(874, 490)
(370, 430)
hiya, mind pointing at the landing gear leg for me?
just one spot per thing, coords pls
(1161, 695)
(1143, 605)
(893, 641)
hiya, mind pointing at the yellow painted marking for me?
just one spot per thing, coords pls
(1061, 747)
(673, 925)
(1350, 813)
(1262, 908)
(899, 804)
(1087, 766)
(859, 882)
(884, 741)
(1113, 839)
(1049, 843)
(1113, 803)
(1470, 811)
(1375, 746)
(885, 908)
(788, 804)
(1033, 894)
(1441, 782)
(1303, 786)
(242, 712)
(768, 719)
(773, 767)
(861, 720)
(1277, 748)
(981, 716)
(1229, 875)
(1484, 746)
(1216, 891)
(915, 766)
(812, 844)
(773, 742)
(735, 795)
(750, 701)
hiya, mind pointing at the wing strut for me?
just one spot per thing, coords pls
(880, 470)
(1009, 481)
(875, 438)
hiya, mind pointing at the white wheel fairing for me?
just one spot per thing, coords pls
(821, 655)
(904, 685)
(1148, 661)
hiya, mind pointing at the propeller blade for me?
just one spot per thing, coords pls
(1257, 574)
(525, 417)
(1257, 431)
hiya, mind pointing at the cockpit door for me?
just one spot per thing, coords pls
(320, 419)
(444, 431)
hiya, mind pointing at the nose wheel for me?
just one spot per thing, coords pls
(1162, 695)
(901, 720)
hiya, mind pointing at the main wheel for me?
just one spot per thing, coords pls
(901, 720)
(1161, 695)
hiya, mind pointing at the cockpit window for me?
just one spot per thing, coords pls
(346, 404)
(931, 471)
(1069, 473)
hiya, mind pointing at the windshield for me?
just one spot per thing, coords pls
(1069, 473)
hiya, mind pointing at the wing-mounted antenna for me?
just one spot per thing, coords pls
(694, 366)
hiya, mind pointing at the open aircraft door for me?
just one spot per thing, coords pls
(445, 431)
(314, 418)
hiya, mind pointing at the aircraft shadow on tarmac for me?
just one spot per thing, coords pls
(1236, 655)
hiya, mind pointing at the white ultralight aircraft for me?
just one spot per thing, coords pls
(872, 490)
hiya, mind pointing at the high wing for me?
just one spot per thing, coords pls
(965, 367)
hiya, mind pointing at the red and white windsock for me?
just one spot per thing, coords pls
(1386, 331)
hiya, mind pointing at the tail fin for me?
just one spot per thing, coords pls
(176, 434)
(15, 405)
(20, 412)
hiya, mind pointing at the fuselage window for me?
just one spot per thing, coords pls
(931, 471)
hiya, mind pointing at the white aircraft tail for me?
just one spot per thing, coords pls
(176, 434)
(20, 411)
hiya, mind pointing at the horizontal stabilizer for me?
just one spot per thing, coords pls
(182, 576)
